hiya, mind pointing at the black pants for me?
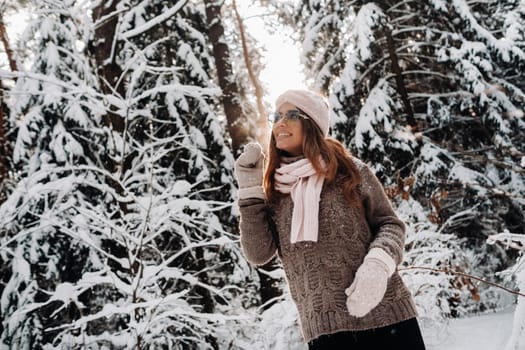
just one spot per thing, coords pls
(404, 335)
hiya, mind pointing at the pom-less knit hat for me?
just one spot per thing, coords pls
(313, 104)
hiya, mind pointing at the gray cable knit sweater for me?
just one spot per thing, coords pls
(319, 272)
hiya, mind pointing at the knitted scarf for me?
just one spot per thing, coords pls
(304, 185)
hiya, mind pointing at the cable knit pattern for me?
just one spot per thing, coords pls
(319, 272)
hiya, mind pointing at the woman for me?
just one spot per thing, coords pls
(328, 219)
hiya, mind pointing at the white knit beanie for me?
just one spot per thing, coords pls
(313, 104)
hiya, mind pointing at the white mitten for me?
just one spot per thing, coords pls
(249, 172)
(370, 282)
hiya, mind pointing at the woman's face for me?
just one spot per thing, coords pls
(288, 133)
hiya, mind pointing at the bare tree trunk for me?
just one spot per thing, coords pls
(5, 42)
(103, 50)
(4, 147)
(237, 121)
(262, 130)
(401, 88)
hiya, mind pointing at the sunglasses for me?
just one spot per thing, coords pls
(292, 114)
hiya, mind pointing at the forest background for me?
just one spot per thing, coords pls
(120, 121)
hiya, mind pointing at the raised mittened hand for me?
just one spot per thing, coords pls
(251, 157)
(249, 172)
(370, 282)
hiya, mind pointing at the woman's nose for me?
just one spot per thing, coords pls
(281, 122)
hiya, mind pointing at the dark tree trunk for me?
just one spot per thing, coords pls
(4, 147)
(7, 47)
(237, 121)
(103, 49)
(401, 88)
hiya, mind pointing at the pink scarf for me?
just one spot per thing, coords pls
(304, 185)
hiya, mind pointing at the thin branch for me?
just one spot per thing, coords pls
(261, 120)
(453, 272)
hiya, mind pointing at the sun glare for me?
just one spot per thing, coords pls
(283, 67)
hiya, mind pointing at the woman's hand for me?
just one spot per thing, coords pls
(370, 282)
(249, 172)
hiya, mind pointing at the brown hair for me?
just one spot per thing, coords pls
(336, 157)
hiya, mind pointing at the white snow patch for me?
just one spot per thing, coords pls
(484, 332)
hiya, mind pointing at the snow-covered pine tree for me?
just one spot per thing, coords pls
(176, 111)
(431, 94)
(116, 234)
(54, 110)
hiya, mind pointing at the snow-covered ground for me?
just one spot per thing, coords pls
(489, 331)
(483, 332)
